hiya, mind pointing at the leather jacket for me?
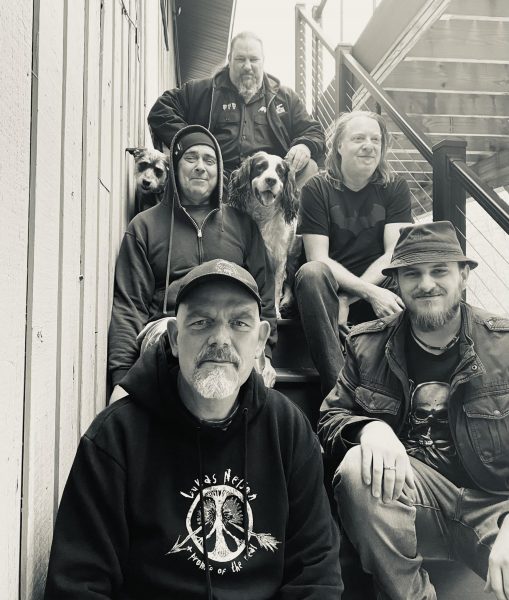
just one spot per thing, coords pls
(374, 385)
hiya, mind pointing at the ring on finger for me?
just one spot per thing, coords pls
(393, 468)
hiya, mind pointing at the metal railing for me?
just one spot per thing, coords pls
(331, 80)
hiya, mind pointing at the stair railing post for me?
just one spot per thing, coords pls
(449, 198)
(343, 80)
(300, 53)
(316, 65)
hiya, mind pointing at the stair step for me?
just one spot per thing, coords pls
(291, 351)
(300, 375)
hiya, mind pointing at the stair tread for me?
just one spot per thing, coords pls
(303, 374)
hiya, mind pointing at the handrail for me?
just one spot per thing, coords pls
(492, 203)
(413, 133)
(318, 32)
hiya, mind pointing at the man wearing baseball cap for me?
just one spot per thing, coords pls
(202, 483)
(190, 226)
(419, 425)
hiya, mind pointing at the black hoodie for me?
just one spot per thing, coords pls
(164, 243)
(147, 474)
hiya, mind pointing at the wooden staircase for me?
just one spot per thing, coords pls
(447, 68)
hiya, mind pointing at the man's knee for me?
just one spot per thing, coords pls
(312, 275)
(348, 476)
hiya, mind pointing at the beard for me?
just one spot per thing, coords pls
(430, 319)
(216, 381)
(215, 384)
(247, 86)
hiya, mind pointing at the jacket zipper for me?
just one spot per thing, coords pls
(199, 231)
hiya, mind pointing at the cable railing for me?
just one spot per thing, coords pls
(331, 80)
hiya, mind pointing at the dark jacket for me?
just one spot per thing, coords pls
(129, 523)
(200, 101)
(150, 260)
(374, 385)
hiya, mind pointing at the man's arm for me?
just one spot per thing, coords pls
(312, 568)
(168, 115)
(305, 130)
(343, 424)
(351, 287)
(91, 540)
(134, 288)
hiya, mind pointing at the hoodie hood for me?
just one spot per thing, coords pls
(172, 190)
(152, 384)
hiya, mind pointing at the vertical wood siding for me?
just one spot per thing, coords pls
(76, 83)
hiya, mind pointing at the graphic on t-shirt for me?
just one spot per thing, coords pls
(223, 529)
(429, 436)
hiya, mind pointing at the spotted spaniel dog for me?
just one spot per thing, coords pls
(264, 187)
(151, 173)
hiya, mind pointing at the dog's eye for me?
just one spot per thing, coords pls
(158, 172)
(142, 165)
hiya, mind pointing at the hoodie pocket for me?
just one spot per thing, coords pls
(488, 426)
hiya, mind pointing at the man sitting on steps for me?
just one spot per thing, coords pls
(419, 425)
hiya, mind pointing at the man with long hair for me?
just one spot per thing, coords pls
(349, 218)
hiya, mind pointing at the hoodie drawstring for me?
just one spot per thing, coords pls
(168, 261)
(202, 514)
(245, 520)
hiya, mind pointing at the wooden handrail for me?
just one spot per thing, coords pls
(492, 203)
(412, 132)
(316, 29)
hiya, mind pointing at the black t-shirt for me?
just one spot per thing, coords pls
(427, 435)
(353, 221)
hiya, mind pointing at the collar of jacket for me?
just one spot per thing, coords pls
(396, 327)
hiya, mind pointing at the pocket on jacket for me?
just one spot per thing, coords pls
(375, 402)
(488, 425)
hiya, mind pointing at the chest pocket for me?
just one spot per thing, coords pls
(229, 116)
(375, 402)
(488, 425)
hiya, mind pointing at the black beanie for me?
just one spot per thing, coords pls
(195, 138)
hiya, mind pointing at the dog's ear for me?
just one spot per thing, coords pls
(136, 152)
(290, 199)
(239, 186)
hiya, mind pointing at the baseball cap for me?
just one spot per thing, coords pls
(218, 269)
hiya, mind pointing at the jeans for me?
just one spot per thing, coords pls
(392, 539)
(316, 291)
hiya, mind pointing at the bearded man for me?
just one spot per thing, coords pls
(246, 109)
(202, 482)
(419, 425)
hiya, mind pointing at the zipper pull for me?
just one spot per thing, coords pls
(199, 233)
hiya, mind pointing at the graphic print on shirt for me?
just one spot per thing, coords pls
(428, 433)
(223, 528)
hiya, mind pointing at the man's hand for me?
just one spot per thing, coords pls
(385, 463)
(498, 565)
(385, 302)
(266, 370)
(298, 156)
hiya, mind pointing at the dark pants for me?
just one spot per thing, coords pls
(317, 297)
(445, 522)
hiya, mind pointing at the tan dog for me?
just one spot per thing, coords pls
(152, 168)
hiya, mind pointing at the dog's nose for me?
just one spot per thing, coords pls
(270, 181)
(145, 183)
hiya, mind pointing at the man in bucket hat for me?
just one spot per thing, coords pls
(419, 425)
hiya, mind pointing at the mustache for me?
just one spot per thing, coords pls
(223, 354)
(437, 292)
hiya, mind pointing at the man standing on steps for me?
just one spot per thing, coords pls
(419, 425)
(246, 109)
(202, 483)
(350, 219)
